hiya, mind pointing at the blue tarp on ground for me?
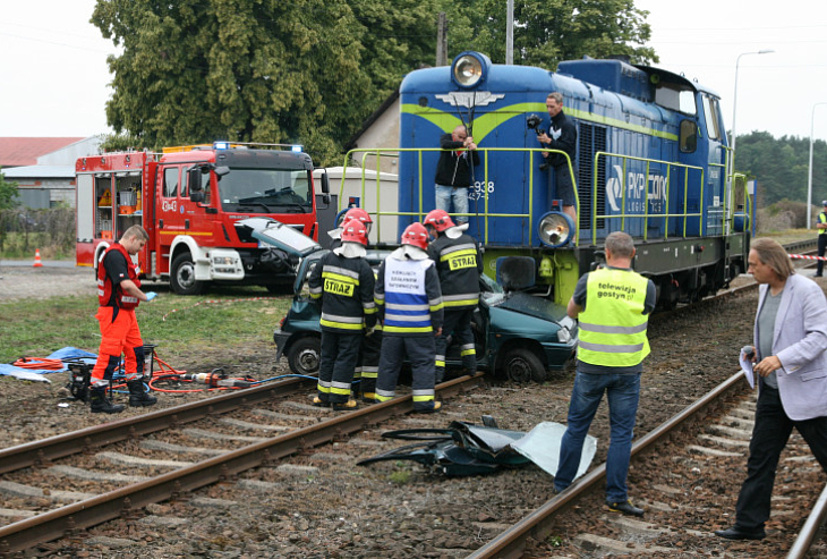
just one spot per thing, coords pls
(65, 354)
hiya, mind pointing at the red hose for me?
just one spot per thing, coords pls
(39, 363)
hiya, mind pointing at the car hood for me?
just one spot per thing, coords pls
(535, 306)
(277, 234)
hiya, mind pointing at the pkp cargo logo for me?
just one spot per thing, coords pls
(636, 186)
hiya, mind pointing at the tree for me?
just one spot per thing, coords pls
(549, 31)
(248, 71)
(8, 193)
(781, 166)
(311, 71)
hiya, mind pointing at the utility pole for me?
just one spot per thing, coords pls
(509, 33)
(442, 40)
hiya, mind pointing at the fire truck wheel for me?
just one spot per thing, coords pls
(303, 355)
(182, 276)
(522, 365)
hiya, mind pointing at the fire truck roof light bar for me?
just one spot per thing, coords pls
(220, 144)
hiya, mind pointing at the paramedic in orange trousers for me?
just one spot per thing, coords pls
(119, 293)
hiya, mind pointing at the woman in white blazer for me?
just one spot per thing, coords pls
(789, 353)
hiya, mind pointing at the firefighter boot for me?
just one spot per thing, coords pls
(138, 397)
(101, 404)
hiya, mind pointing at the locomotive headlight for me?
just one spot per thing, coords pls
(555, 229)
(469, 69)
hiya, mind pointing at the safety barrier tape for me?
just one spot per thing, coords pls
(805, 257)
(208, 301)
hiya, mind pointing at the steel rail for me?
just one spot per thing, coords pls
(59, 446)
(806, 537)
(539, 524)
(77, 516)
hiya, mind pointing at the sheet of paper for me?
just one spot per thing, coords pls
(746, 366)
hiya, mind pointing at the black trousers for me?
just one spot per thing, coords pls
(769, 437)
(369, 364)
(458, 323)
(420, 351)
(822, 248)
(336, 365)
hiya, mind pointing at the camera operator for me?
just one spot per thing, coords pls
(454, 171)
(562, 136)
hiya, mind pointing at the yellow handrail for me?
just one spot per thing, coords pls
(362, 155)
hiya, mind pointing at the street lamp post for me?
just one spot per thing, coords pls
(735, 104)
(810, 174)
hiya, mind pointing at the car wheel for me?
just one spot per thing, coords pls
(304, 355)
(522, 366)
(182, 276)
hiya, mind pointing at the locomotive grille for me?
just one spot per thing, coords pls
(591, 139)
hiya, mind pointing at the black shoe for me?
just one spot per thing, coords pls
(433, 409)
(736, 533)
(818, 276)
(345, 406)
(319, 403)
(101, 404)
(625, 508)
(138, 396)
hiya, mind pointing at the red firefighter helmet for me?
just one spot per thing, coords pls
(415, 234)
(439, 220)
(354, 231)
(357, 213)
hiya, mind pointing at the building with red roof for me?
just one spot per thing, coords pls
(44, 168)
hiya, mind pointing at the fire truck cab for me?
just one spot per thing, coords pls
(190, 200)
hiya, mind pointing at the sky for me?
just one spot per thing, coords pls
(55, 77)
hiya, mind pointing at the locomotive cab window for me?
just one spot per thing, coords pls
(713, 119)
(676, 98)
(689, 136)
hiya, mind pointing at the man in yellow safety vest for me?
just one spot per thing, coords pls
(613, 304)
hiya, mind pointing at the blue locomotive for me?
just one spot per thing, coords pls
(651, 160)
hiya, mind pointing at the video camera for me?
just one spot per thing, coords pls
(533, 122)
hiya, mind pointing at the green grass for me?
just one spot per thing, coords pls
(38, 328)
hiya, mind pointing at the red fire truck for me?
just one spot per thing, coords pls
(190, 200)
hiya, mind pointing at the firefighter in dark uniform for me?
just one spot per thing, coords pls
(367, 366)
(351, 214)
(119, 293)
(459, 264)
(821, 225)
(409, 302)
(344, 282)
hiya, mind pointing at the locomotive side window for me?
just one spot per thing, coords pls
(170, 182)
(689, 136)
(711, 112)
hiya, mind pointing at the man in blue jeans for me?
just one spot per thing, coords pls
(613, 304)
(454, 172)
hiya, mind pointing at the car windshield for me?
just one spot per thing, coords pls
(266, 191)
(490, 291)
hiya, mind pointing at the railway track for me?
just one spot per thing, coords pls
(122, 443)
(266, 417)
(675, 468)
